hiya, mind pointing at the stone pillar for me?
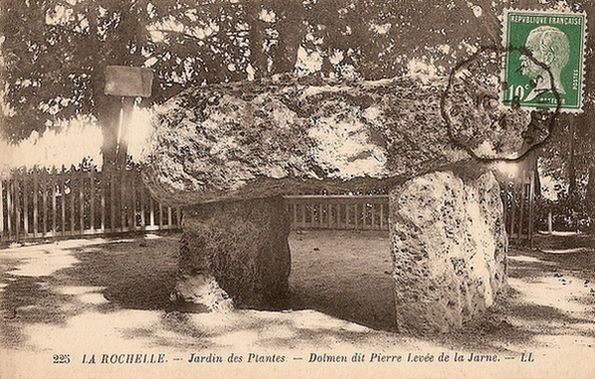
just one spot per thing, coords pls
(241, 246)
(449, 248)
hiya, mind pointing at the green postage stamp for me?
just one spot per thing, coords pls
(544, 66)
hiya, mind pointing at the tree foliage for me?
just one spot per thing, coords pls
(568, 158)
(55, 51)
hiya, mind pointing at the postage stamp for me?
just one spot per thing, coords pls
(544, 65)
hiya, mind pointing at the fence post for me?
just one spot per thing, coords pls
(1, 209)
(331, 213)
(531, 204)
(61, 180)
(522, 208)
(17, 205)
(52, 180)
(102, 190)
(512, 217)
(152, 214)
(364, 214)
(550, 228)
(25, 191)
(81, 183)
(143, 220)
(373, 215)
(112, 194)
(320, 214)
(72, 196)
(44, 179)
(123, 198)
(9, 205)
(35, 202)
(160, 216)
(132, 190)
(92, 189)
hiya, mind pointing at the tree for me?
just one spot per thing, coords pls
(56, 59)
(55, 51)
(569, 158)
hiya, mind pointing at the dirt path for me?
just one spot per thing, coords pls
(88, 298)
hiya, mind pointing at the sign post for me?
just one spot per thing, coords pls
(127, 83)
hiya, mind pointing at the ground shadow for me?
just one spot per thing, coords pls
(564, 241)
(136, 274)
(345, 274)
(554, 255)
(513, 320)
(573, 252)
(28, 300)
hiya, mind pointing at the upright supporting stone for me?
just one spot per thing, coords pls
(243, 245)
(449, 248)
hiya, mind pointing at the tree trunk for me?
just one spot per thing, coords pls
(291, 32)
(258, 58)
(108, 117)
(572, 188)
(133, 23)
(590, 197)
(107, 108)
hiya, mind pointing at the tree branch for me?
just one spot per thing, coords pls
(180, 34)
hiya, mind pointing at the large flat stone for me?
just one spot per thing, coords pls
(257, 139)
(223, 151)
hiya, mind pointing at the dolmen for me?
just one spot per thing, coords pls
(227, 153)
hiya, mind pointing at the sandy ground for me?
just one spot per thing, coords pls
(66, 304)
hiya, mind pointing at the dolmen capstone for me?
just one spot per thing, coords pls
(226, 153)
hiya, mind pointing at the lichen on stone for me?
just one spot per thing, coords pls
(224, 140)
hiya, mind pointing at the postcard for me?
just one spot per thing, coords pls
(301, 189)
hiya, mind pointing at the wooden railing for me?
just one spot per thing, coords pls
(519, 210)
(338, 211)
(79, 201)
(76, 201)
